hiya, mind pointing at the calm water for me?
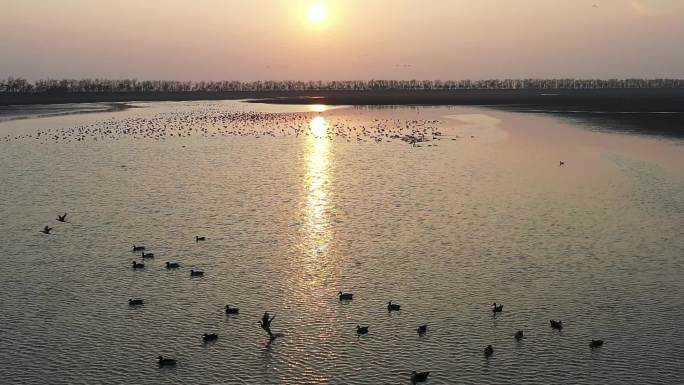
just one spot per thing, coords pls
(291, 217)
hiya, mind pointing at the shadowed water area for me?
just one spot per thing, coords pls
(441, 210)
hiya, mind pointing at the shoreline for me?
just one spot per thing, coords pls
(36, 111)
(658, 112)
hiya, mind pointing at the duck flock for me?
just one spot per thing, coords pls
(265, 323)
(214, 122)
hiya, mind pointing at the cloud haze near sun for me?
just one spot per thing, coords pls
(359, 39)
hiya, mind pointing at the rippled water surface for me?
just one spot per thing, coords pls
(297, 204)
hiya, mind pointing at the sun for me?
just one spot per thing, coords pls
(317, 14)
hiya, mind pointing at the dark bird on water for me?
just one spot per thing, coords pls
(135, 302)
(558, 325)
(595, 343)
(232, 310)
(166, 361)
(209, 337)
(361, 330)
(137, 265)
(393, 306)
(519, 335)
(196, 273)
(561, 163)
(422, 329)
(138, 248)
(61, 218)
(172, 265)
(497, 308)
(46, 229)
(419, 376)
(147, 255)
(345, 296)
(197, 239)
(488, 351)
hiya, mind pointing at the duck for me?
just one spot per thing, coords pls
(519, 335)
(488, 351)
(46, 229)
(393, 306)
(172, 265)
(137, 265)
(209, 337)
(595, 343)
(166, 361)
(147, 255)
(196, 273)
(558, 325)
(61, 218)
(422, 329)
(561, 163)
(361, 330)
(345, 296)
(419, 376)
(138, 248)
(135, 302)
(197, 238)
(497, 308)
(232, 310)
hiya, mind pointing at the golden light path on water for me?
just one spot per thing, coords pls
(317, 230)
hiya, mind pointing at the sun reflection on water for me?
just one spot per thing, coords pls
(317, 230)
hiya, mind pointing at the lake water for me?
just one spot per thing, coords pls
(298, 203)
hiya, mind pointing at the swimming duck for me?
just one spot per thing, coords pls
(361, 330)
(595, 343)
(137, 265)
(209, 337)
(197, 239)
(138, 248)
(345, 296)
(497, 308)
(135, 302)
(393, 306)
(488, 351)
(518, 335)
(172, 265)
(147, 255)
(422, 329)
(166, 361)
(419, 376)
(232, 310)
(196, 273)
(558, 325)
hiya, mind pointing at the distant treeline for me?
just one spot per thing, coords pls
(23, 86)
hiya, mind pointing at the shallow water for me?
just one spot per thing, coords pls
(292, 218)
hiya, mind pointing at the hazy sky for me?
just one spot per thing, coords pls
(361, 39)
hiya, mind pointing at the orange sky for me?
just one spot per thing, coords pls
(361, 39)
